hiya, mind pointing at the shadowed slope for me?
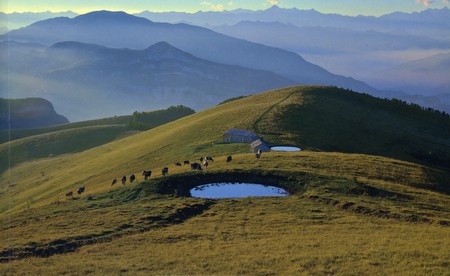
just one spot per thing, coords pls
(332, 119)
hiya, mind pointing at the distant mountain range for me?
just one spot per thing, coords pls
(360, 46)
(17, 20)
(118, 30)
(88, 69)
(430, 23)
(384, 60)
(326, 40)
(87, 80)
(28, 113)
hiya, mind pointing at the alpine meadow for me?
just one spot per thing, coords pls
(111, 123)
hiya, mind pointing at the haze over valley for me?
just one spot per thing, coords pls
(384, 56)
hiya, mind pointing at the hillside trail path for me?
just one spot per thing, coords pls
(255, 125)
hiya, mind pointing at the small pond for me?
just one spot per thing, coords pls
(234, 190)
(285, 148)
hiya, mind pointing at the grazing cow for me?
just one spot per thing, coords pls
(146, 174)
(229, 158)
(209, 158)
(114, 181)
(196, 166)
(205, 164)
(177, 164)
(69, 194)
(80, 190)
(132, 178)
(186, 162)
(258, 155)
(124, 180)
(165, 171)
(201, 159)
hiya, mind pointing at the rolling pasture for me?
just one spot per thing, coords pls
(358, 212)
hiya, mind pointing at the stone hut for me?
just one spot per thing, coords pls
(259, 145)
(239, 136)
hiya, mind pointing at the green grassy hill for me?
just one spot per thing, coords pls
(50, 145)
(137, 121)
(193, 136)
(15, 134)
(348, 212)
(331, 119)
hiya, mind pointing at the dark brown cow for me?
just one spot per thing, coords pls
(186, 162)
(147, 174)
(80, 190)
(229, 158)
(165, 171)
(196, 166)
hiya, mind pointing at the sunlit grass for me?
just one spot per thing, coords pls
(262, 236)
(348, 214)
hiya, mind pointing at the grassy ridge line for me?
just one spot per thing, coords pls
(41, 182)
(59, 142)
(79, 137)
(255, 126)
(332, 119)
(22, 133)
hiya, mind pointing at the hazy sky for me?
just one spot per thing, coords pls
(348, 7)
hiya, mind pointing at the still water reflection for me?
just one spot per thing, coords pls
(234, 190)
(285, 148)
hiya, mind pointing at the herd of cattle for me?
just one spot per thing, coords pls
(164, 171)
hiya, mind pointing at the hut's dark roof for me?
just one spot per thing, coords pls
(258, 142)
(240, 132)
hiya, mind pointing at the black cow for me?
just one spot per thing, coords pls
(177, 164)
(196, 166)
(165, 171)
(201, 159)
(205, 164)
(259, 151)
(69, 194)
(132, 178)
(186, 162)
(80, 190)
(209, 158)
(229, 158)
(114, 181)
(124, 180)
(146, 174)
(258, 155)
